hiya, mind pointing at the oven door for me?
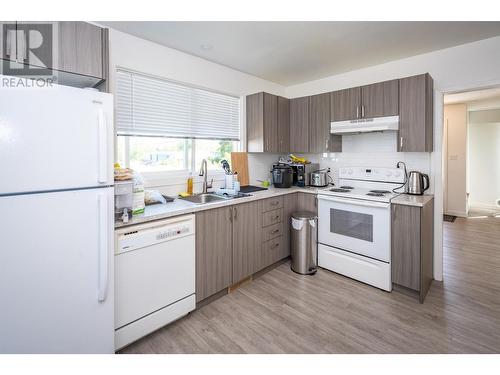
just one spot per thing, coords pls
(358, 226)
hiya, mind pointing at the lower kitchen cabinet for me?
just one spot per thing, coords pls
(289, 207)
(246, 239)
(412, 247)
(214, 251)
(307, 202)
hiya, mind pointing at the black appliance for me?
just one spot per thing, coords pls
(282, 175)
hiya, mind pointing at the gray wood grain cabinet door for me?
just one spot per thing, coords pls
(246, 239)
(320, 139)
(270, 123)
(380, 99)
(346, 104)
(416, 106)
(255, 122)
(213, 251)
(283, 125)
(289, 207)
(299, 124)
(405, 262)
(80, 48)
(307, 202)
(8, 40)
(262, 122)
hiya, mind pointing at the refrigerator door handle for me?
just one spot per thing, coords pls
(103, 273)
(102, 142)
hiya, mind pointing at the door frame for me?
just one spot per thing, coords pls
(437, 163)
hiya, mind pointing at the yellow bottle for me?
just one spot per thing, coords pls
(190, 184)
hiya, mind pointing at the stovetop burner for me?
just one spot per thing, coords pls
(347, 187)
(340, 190)
(380, 191)
(375, 194)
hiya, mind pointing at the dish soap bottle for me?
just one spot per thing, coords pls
(190, 184)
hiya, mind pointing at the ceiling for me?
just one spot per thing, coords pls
(294, 52)
(472, 96)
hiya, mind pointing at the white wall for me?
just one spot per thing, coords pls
(484, 160)
(130, 52)
(473, 65)
(455, 159)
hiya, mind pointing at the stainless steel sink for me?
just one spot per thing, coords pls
(205, 198)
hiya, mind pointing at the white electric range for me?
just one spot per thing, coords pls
(354, 224)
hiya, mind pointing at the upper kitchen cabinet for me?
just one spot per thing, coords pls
(380, 99)
(416, 106)
(283, 124)
(75, 52)
(320, 139)
(346, 104)
(299, 124)
(262, 122)
(81, 48)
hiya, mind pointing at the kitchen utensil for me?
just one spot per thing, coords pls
(239, 161)
(417, 183)
(225, 166)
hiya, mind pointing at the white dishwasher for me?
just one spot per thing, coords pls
(154, 276)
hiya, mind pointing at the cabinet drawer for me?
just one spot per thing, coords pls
(271, 204)
(272, 217)
(272, 231)
(271, 251)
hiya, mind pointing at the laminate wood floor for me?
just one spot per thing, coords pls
(283, 312)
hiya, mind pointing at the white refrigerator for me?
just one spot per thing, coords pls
(56, 220)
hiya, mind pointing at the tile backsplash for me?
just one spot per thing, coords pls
(370, 149)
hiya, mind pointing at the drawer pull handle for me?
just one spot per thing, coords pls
(274, 203)
(277, 217)
(276, 245)
(275, 231)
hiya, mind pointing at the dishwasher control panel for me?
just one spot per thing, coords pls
(144, 235)
(169, 233)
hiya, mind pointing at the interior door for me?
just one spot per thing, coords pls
(55, 138)
(56, 272)
(358, 226)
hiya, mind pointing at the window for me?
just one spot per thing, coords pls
(164, 126)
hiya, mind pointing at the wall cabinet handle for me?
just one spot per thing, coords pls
(357, 111)
(362, 111)
(400, 143)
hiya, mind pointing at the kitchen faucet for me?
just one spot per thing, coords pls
(204, 172)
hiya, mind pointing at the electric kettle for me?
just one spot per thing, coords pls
(417, 183)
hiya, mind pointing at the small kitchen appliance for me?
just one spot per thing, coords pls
(319, 178)
(282, 175)
(301, 173)
(417, 183)
(354, 224)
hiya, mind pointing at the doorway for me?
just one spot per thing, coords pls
(471, 154)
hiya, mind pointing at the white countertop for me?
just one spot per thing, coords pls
(412, 200)
(182, 207)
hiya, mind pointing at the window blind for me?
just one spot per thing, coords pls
(149, 106)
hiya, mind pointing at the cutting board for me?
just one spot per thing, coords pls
(239, 163)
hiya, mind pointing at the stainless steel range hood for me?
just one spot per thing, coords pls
(365, 125)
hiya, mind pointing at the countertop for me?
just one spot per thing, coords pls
(412, 200)
(182, 207)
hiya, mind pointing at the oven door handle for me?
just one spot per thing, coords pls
(356, 202)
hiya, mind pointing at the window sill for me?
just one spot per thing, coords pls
(158, 179)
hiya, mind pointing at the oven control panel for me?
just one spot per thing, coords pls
(373, 174)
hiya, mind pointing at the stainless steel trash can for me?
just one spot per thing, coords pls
(304, 242)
